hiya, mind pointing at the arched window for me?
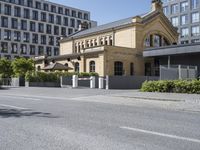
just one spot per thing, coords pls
(66, 64)
(76, 67)
(118, 68)
(92, 66)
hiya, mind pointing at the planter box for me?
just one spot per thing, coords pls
(42, 84)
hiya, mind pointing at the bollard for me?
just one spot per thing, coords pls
(74, 81)
(92, 82)
(101, 80)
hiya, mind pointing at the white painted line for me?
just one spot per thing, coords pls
(162, 134)
(11, 106)
(21, 97)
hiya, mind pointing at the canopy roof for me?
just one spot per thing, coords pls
(57, 66)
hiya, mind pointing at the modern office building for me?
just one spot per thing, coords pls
(34, 27)
(184, 14)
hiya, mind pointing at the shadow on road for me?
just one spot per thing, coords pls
(6, 113)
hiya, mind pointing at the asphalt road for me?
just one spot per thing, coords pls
(67, 119)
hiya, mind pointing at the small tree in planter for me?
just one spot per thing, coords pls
(6, 70)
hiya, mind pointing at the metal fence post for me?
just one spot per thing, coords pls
(179, 72)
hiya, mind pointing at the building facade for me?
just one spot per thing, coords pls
(185, 15)
(33, 27)
(116, 48)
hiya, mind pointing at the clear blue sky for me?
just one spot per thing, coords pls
(104, 11)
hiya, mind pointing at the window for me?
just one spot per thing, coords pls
(53, 9)
(43, 16)
(14, 48)
(195, 4)
(86, 17)
(21, 2)
(58, 20)
(14, 23)
(23, 24)
(7, 35)
(17, 11)
(48, 29)
(72, 23)
(38, 5)
(92, 66)
(184, 6)
(35, 15)
(43, 39)
(195, 17)
(157, 40)
(23, 49)
(175, 21)
(4, 47)
(67, 12)
(26, 13)
(60, 10)
(174, 9)
(41, 27)
(17, 36)
(118, 68)
(32, 26)
(76, 67)
(40, 50)
(4, 22)
(195, 31)
(26, 37)
(65, 21)
(7, 10)
(35, 38)
(80, 15)
(73, 13)
(56, 51)
(184, 32)
(49, 52)
(147, 69)
(184, 19)
(30, 3)
(166, 10)
(63, 31)
(56, 30)
(51, 18)
(46, 7)
(51, 40)
(32, 50)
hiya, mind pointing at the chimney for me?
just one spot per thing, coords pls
(157, 5)
(83, 26)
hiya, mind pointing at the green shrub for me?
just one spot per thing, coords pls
(52, 76)
(176, 86)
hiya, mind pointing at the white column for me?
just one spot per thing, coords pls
(92, 82)
(74, 81)
(101, 79)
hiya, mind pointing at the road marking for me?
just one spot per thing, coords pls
(162, 134)
(11, 106)
(21, 97)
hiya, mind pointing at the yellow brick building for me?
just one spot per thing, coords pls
(116, 48)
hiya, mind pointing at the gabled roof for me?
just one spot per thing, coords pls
(120, 23)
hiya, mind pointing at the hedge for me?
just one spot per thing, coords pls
(175, 86)
(53, 76)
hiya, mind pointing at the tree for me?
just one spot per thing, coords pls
(21, 66)
(6, 70)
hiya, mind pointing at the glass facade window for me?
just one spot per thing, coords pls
(194, 4)
(184, 6)
(195, 17)
(184, 32)
(195, 31)
(184, 19)
(174, 9)
(175, 21)
(166, 10)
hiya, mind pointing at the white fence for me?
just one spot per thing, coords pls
(9, 82)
